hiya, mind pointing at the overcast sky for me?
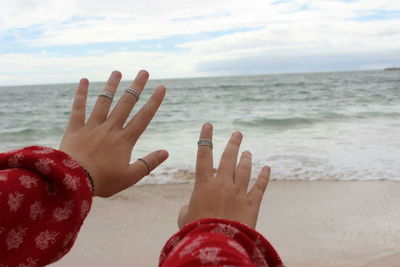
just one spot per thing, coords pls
(51, 41)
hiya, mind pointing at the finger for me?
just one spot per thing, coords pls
(227, 164)
(139, 122)
(243, 171)
(204, 163)
(127, 101)
(257, 191)
(182, 216)
(103, 104)
(139, 169)
(77, 117)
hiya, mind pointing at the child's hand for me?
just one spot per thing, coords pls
(225, 195)
(103, 144)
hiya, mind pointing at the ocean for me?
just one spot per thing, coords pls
(314, 126)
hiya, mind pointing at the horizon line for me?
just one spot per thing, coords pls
(202, 77)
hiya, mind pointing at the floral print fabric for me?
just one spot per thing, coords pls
(218, 242)
(44, 198)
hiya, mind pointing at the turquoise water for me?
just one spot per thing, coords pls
(317, 126)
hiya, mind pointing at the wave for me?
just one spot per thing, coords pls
(373, 114)
(179, 176)
(289, 122)
(20, 132)
(275, 122)
(32, 132)
(291, 84)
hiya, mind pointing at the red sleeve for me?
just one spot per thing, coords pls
(44, 198)
(218, 242)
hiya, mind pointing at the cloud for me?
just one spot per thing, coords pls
(77, 22)
(58, 41)
(270, 63)
(38, 68)
(306, 37)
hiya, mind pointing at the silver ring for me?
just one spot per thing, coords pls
(205, 142)
(107, 94)
(145, 163)
(133, 92)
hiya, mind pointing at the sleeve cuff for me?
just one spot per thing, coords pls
(49, 162)
(258, 249)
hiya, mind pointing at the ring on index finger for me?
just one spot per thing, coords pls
(133, 92)
(205, 142)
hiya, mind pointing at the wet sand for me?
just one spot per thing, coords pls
(309, 223)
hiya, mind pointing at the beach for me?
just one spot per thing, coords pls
(310, 223)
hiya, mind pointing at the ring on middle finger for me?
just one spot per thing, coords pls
(107, 94)
(133, 92)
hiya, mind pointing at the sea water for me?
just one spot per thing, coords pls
(315, 126)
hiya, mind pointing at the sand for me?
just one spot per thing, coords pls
(309, 223)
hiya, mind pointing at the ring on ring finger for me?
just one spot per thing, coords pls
(133, 92)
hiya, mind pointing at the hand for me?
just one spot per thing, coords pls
(224, 196)
(103, 145)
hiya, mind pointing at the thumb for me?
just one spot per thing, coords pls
(182, 216)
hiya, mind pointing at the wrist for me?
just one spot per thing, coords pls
(91, 181)
(89, 176)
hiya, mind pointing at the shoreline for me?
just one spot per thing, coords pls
(310, 223)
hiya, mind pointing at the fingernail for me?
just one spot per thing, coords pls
(143, 74)
(266, 169)
(247, 153)
(160, 89)
(84, 81)
(116, 74)
(207, 126)
(162, 154)
(237, 134)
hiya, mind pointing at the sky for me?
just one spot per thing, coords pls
(52, 41)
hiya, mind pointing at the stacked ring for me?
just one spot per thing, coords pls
(205, 142)
(133, 92)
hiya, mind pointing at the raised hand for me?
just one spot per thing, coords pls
(103, 144)
(224, 196)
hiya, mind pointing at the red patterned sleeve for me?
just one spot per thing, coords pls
(218, 242)
(44, 198)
